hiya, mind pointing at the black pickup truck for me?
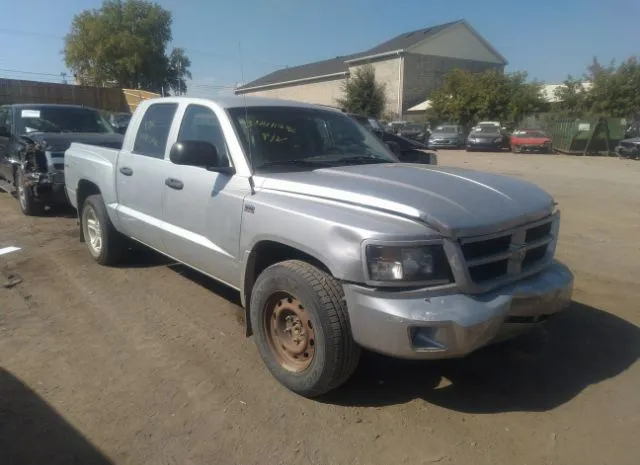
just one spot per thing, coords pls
(33, 139)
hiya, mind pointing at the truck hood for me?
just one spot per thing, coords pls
(59, 142)
(455, 202)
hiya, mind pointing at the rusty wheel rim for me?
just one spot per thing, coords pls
(290, 332)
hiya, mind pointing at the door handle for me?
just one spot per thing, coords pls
(126, 171)
(174, 183)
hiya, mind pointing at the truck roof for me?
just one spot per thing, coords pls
(241, 101)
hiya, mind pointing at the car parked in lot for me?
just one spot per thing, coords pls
(530, 140)
(415, 131)
(33, 139)
(447, 136)
(488, 137)
(628, 148)
(407, 150)
(333, 244)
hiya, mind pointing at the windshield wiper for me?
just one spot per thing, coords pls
(294, 162)
(357, 159)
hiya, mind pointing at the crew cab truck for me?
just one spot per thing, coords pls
(333, 243)
(33, 139)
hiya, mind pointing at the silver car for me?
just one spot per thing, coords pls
(447, 136)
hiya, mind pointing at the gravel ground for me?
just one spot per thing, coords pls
(147, 364)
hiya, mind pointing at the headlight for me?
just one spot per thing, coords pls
(408, 264)
(498, 139)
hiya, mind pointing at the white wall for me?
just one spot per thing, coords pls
(456, 42)
(319, 92)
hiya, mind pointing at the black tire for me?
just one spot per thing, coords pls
(26, 200)
(111, 241)
(336, 355)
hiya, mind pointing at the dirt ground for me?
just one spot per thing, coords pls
(147, 364)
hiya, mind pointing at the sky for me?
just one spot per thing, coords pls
(230, 42)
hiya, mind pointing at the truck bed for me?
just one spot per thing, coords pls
(92, 163)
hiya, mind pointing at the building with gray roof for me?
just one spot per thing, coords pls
(410, 65)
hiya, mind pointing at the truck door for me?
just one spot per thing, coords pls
(203, 209)
(140, 175)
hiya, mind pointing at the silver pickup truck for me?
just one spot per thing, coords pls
(333, 244)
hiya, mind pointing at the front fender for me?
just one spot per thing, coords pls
(330, 231)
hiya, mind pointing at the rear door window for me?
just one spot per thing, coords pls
(151, 140)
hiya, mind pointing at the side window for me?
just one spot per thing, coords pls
(201, 123)
(153, 132)
(5, 117)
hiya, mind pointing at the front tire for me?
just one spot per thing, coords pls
(26, 200)
(301, 328)
(105, 244)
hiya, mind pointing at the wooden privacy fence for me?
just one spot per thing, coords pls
(104, 98)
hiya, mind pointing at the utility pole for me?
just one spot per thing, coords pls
(63, 75)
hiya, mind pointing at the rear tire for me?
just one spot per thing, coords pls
(301, 327)
(26, 200)
(105, 244)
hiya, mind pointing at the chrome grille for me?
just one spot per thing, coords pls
(510, 253)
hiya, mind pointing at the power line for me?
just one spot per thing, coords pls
(32, 33)
(28, 72)
(191, 50)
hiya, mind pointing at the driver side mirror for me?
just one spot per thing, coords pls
(198, 153)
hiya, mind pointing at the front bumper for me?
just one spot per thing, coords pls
(419, 325)
(533, 147)
(444, 143)
(484, 146)
(47, 187)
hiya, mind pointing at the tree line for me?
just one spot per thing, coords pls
(466, 97)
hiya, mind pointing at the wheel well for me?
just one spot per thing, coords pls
(85, 189)
(265, 254)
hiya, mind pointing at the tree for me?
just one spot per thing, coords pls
(615, 90)
(572, 96)
(363, 94)
(603, 90)
(124, 43)
(457, 99)
(178, 70)
(466, 96)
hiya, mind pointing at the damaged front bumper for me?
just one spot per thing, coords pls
(47, 187)
(418, 325)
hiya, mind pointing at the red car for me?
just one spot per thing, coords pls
(530, 140)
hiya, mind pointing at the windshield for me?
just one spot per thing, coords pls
(487, 129)
(448, 129)
(297, 136)
(413, 127)
(61, 119)
(530, 133)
